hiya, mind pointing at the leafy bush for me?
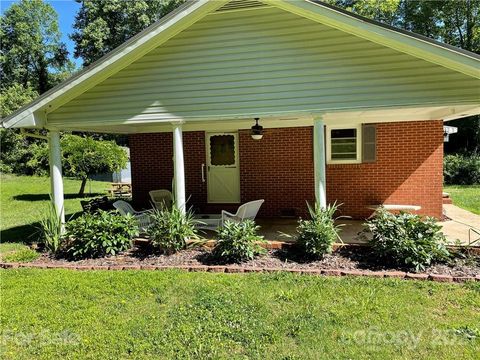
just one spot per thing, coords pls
(238, 242)
(407, 239)
(100, 234)
(171, 229)
(461, 169)
(317, 235)
(51, 230)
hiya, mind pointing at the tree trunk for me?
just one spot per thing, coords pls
(81, 193)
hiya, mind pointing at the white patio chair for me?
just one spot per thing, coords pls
(143, 217)
(245, 211)
(161, 198)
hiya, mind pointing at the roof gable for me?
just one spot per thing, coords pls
(190, 13)
(257, 63)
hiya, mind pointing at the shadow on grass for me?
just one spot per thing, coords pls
(29, 233)
(44, 197)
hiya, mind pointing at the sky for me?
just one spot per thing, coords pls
(66, 10)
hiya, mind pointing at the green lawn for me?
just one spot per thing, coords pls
(48, 314)
(57, 314)
(24, 200)
(465, 196)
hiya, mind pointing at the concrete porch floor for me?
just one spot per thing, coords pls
(279, 229)
(456, 229)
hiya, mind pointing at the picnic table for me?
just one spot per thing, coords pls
(120, 189)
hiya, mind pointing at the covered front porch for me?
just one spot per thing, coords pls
(290, 166)
(352, 111)
(456, 231)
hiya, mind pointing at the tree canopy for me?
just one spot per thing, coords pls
(32, 54)
(82, 157)
(451, 21)
(102, 25)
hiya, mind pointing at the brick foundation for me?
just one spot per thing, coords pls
(279, 169)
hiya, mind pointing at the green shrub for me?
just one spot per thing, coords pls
(171, 229)
(461, 169)
(51, 230)
(407, 239)
(317, 235)
(100, 234)
(24, 254)
(238, 242)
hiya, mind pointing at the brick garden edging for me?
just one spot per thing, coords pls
(237, 269)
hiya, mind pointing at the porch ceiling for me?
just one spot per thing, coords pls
(445, 113)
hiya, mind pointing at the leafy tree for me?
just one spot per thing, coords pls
(386, 11)
(14, 97)
(31, 51)
(13, 146)
(84, 156)
(461, 23)
(81, 157)
(102, 25)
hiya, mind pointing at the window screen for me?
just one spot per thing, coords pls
(344, 144)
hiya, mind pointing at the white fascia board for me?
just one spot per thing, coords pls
(403, 42)
(24, 120)
(133, 49)
(402, 114)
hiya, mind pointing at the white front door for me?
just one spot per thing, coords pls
(223, 173)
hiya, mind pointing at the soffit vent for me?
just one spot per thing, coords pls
(235, 5)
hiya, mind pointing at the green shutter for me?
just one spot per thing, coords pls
(369, 143)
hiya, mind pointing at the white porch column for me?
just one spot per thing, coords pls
(319, 162)
(179, 169)
(55, 158)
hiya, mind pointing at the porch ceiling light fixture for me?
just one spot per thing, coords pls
(257, 131)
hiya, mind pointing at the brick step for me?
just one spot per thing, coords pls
(446, 198)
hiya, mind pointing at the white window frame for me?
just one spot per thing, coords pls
(358, 159)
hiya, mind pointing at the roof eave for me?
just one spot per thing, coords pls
(122, 56)
(404, 41)
(33, 114)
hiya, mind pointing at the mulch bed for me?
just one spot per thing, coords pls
(344, 259)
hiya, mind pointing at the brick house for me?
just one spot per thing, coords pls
(352, 110)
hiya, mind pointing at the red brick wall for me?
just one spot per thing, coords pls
(151, 165)
(151, 157)
(279, 169)
(408, 170)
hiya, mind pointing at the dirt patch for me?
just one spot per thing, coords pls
(347, 258)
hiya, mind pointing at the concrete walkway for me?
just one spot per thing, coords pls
(459, 226)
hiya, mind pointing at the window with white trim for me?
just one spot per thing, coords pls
(344, 144)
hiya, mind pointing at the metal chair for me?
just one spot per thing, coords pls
(143, 217)
(161, 198)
